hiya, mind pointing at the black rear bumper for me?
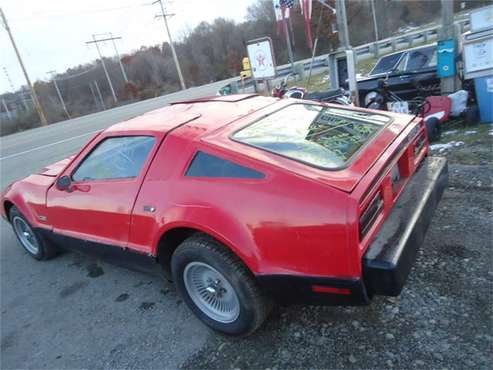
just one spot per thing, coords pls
(388, 260)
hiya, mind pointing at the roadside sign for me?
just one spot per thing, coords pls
(478, 57)
(481, 19)
(262, 61)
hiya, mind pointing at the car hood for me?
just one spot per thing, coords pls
(54, 169)
(370, 78)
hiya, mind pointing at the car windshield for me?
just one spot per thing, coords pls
(316, 135)
(421, 59)
(386, 64)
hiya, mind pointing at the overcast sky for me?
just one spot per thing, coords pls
(52, 34)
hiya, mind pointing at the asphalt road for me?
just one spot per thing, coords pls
(73, 312)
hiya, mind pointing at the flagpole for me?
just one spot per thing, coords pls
(288, 40)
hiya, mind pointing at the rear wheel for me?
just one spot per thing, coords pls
(218, 287)
(33, 243)
(433, 129)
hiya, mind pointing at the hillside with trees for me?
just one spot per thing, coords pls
(210, 52)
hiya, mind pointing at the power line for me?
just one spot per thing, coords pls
(75, 13)
(9, 79)
(78, 74)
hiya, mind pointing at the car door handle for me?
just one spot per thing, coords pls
(150, 209)
(79, 187)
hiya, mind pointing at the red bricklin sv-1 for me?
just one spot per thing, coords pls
(244, 200)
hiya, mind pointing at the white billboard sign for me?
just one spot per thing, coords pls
(478, 55)
(481, 19)
(261, 55)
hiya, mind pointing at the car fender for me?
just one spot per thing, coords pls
(29, 197)
(221, 226)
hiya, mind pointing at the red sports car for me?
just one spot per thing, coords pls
(244, 200)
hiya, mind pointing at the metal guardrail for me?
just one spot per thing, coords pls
(377, 48)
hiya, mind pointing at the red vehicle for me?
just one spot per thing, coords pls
(244, 200)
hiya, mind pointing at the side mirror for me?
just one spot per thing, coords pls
(63, 183)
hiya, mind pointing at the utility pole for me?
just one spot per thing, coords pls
(118, 56)
(62, 102)
(346, 47)
(96, 102)
(447, 84)
(177, 63)
(375, 25)
(112, 39)
(94, 41)
(99, 95)
(288, 40)
(6, 107)
(342, 24)
(34, 97)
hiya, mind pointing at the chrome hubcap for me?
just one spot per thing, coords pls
(26, 235)
(211, 292)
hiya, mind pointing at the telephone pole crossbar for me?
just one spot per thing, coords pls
(96, 42)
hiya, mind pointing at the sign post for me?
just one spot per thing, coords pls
(262, 60)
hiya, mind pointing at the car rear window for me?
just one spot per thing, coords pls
(319, 136)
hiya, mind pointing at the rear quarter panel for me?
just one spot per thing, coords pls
(282, 224)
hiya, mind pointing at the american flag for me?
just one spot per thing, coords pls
(286, 3)
(281, 8)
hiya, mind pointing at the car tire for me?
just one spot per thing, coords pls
(374, 100)
(31, 240)
(433, 129)
(218, 287)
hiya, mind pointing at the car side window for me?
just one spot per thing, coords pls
(207, 165)
(115, 158)
(421, 59)
(401, 67)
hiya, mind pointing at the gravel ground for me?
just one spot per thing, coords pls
(442, 319)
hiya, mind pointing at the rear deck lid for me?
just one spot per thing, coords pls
(328, 143)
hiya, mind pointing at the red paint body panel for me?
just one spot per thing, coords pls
(298, 220)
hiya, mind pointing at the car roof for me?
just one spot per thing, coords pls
(408, 50)
(206, 113)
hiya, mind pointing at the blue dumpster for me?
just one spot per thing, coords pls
(484, 95)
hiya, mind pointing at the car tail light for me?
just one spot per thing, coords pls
(370, 214)
(420, 143)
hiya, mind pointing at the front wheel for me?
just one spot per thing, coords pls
(33, 243)
(218, 287)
